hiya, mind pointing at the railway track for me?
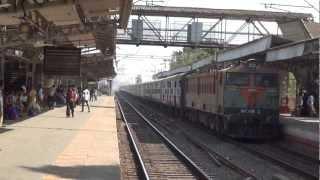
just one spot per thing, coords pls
(158, 157)
(306, 167)
(300, 164)
(217, 167)
(129, 168)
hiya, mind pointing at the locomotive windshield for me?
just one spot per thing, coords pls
(238, 79)
(266, 80)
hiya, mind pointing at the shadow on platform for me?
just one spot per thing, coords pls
(79, 172)
(3, 130)
(56, 128)
(25, 117)
(111, 107)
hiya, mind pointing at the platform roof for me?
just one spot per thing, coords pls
(313, 28)
(74, 18)
(90, 23)
(251, 49)
(302, 50)
(63, 12)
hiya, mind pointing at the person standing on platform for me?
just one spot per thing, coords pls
(85, 99)
(71, 100)
(91, 95)
(310, 103)
(40, 95)
(51, 97)
(95, 94)
(304, 110)
(33, 106)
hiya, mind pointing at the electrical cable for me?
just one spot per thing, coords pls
(311, 6)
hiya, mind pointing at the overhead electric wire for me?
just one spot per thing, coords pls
(286, 5)
(311, 5)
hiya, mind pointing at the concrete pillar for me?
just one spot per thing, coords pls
(33, 73)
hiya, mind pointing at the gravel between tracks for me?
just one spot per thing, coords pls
(129, 170)
(159, 160)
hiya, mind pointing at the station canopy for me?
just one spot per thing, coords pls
(78, 23)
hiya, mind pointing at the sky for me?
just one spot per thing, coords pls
(147, 60)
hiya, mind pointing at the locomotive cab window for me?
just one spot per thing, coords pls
(266, 80)
(238, 79)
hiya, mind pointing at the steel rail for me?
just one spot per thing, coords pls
(283, 163)
(195, 168)
(135, 147)
(221, 159)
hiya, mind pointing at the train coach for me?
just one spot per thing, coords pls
(241, 101)
(166, 91)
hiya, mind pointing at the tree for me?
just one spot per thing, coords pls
(189, 56)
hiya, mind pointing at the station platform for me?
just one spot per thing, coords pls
(52, 146)
(302, 133)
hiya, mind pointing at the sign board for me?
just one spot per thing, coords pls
(62, 61)
(194, 32)
(137, 29)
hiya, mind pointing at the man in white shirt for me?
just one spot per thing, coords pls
(85, 99)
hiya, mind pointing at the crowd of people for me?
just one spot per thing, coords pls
(22, 102)
(19, 101)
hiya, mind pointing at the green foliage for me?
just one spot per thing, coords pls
(189, 56)
(292, 88)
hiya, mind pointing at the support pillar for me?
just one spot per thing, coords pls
(33, 72)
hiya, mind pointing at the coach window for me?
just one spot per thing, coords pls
(237, 79)
(203, 82)
(199, 86)
(211, 84)
(207, 85)
(195, 85)
(266, 80)
(187, 85)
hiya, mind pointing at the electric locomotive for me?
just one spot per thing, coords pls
(241, 101)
